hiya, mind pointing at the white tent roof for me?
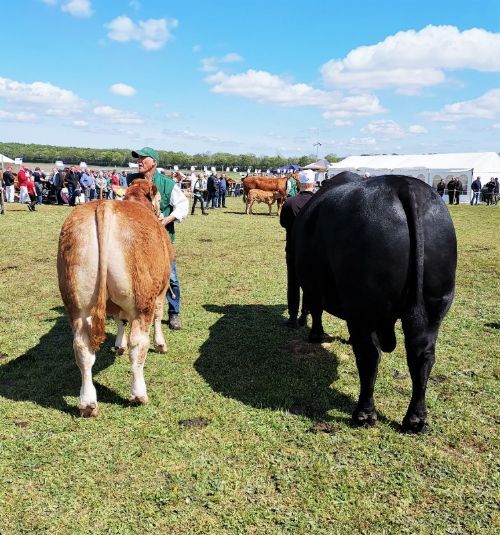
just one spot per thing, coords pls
(5, 159)
(484, 164)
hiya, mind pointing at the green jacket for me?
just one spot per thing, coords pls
(165, 185)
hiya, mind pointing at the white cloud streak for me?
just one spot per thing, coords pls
(123, 90)
(213, 63)
(152, 34)
(411, 60)
(268, 88)
(115, 116)
(486, 106)
(77, 8)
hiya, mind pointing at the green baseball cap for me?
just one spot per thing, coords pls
(146, 151)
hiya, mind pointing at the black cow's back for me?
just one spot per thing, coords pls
(367, 247)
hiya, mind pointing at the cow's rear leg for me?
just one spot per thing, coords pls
(121, 339)
(158, 338)
(85, 359)
(367, 352)
(317, 334)
(420, 342)
(139, 343)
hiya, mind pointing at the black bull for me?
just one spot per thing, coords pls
(372, 252)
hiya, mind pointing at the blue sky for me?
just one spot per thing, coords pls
(267, 77)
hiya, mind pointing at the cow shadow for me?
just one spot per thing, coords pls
(47, 372)
(249, 356)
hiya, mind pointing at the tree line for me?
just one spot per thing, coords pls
(121, 157)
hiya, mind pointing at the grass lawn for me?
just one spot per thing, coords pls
(247, 429)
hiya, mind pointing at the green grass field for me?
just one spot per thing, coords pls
(247, 429)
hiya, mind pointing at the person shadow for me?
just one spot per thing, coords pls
(47, 373)
(249, 356)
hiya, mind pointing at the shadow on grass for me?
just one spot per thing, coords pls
(48, 371)
(251, 357)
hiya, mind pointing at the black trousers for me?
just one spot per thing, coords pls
(293, 290)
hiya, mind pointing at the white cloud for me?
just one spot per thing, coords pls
(80, 123)
(123, 89)
(21, 117)
(113, 115)
(411, 60)
(50, 2)
(268, 88)
(496, 125)
(212, 64)
(78, 8)
(151, 33)
(342, 122)
(388, 128)
(173, 115)
(486, 106)
(417, 129)
(362, 141)
(134, 4)
(49, 98)
(196, 48)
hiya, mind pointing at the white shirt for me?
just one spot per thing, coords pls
(179, 203)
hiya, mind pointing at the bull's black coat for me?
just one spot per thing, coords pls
(372, 251)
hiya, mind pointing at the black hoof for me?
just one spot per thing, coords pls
(302, 320)
(414, 424)
(291, 323)
(316, 338)
(364, 418)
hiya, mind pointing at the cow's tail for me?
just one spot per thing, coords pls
(416, 230)
(103, 215)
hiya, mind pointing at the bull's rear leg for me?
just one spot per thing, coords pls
(367, 352)
(158, 338)
(85, 359)
(420, 342)
(121, 339)
(139, 343)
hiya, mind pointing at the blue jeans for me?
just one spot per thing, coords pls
(174, 303)
(475, 197)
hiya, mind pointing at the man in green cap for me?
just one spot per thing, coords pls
(174, 207)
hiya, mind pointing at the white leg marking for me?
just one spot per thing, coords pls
(139, 343)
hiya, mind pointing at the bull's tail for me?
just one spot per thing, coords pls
(98, 311)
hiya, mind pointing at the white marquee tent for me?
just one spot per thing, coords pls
(4, 159)
(428, 167)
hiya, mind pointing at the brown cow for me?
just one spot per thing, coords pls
(267, 184)
(114, 258)
(268, 197)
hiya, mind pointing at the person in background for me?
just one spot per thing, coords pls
(490, 191)
(30, 186)
(441, 187)
(475, 191)
(197, 191)
(211, 189)
(38, 177)
(100, 184)
(291, 186)
(451, 187)
(221, 202)
(8, 181)
(290, 210)
(496, 191)
(73, 185)
(23, 177)
(123, 179)
(174, 207)
(87, 181)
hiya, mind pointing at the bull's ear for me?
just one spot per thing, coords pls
(153, 190)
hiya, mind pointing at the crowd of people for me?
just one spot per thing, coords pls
(73, 185)
(488, 193)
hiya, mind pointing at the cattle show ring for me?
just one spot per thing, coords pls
(375, 411)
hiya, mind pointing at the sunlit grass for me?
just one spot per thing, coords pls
(254, 460)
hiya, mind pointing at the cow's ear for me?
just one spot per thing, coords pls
(153, 190)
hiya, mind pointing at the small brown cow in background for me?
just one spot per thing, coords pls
(268, 197)
(114, 259)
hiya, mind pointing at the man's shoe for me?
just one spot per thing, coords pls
(174, 322)
(291, 323)
(204, 213)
